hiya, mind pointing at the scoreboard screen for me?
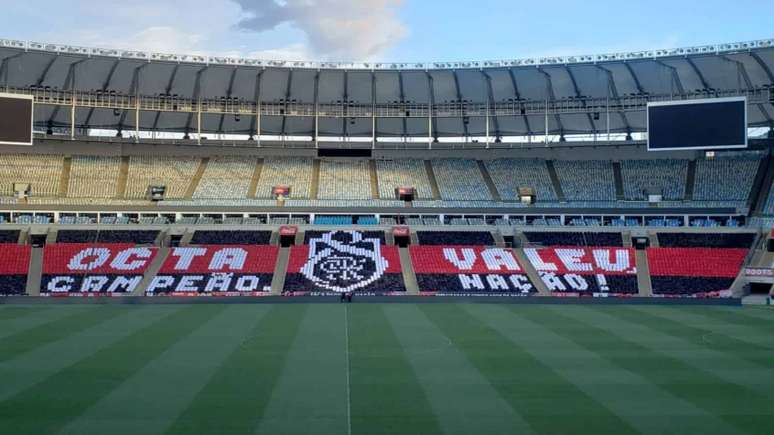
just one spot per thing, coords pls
(16, 119)
(713, 123)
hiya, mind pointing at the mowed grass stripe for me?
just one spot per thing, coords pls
(311, 392)
(235, 395)
(148, 402)
(462, 399)
(548, 402)
(584, 358)
(735, 325)
(34, 366)
(682, 344)
(386, 395)
(764, 314)
(17, 325)
(684, 325)
(24, 341)
(596, 328)
(48, 406)
(13, 312)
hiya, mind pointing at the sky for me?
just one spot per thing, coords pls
(386, 30)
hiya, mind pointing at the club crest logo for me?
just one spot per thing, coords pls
(344, 261)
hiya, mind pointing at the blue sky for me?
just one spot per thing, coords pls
(387, 30)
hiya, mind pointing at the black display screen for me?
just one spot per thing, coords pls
(15, 120)
(698, 124)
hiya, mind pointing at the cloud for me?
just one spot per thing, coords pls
(335, 29)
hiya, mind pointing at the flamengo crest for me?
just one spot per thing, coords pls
(343, 261)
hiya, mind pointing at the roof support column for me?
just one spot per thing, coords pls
(675, 79)
(345, 107)
(613, 89)
(196, 98)
(373, 110)
(463, 112)
(4, 68)
(134, 86)
(229, 92)
(491, 109)
(255, 128)
(105, 87)
(69, 84)
(581, 98)
(744, 76)
(551, 97)
(517, 94)
(402, 95)
(288, 86)
(167, 90)
(317, 109)
(431, 134)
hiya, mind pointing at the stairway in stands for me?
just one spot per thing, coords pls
(315, 187)
(488, 180)
(433, 181)
(64, 180)
(251, 191)
(374, 179)
(555, 181)
(690, 180)
(123, 176)
(197, 178)
(618, 177)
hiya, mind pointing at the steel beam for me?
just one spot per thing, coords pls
(636, 79)
(229, 92)
(552, 96)
(614, 90)
(69, 83)
(698, 72)
(517, 94)
(402, 95)
(465, 130)
(345, 108)
(255, 122)
(196, 98)
(316, 120)
(105, 87)
(491, 99)
(675, 78)
(432, 125)
(134, 86)
(43, 74)
(287, 98)
(580, 97)
(167, 90)
(742, 70)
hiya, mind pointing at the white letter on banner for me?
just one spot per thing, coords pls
(469, 258)
(93, 283)
(497, 282)
(496, 258)
(60, 284)
(247, 283)
(186, 255)
(121, 262)
(572, 260)
(577, 282)
(161, 283)
(622, 260)
(218, 282)
(187, 283)
(76, 263)
(537, 262)
(521, 283)
(552, 281)
(233, 257)
(123, 284)
(471, 281)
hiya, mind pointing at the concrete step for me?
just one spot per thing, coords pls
(643, 274)
(280, 271)
(409, 276)
(618, 177)
(64, 180)
(489, 182)
(35, 271)
(690, 180)
(197, 178)
(555, 180)
(532, 274)
(251, 191)
(123, 176)
(374, 179)
(152, 271)
(432, 179)
(315, 188)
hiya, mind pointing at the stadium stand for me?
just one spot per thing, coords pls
(698, 272)
(226, 178)
(344, 179)
(402, 173)
(576, 270)
(42, 172)
(175, 173)
(344, 261)
(227, 270)
(242, 237)
(14, 264)
(665, 176)
(460, 180)
(726, 178)
(706, 240)
(509, 175)
(295, 172)
(452, 238)
(469, 270)
(574, 239)
(586, 180)
(94, 177)
(138, 237)
(94, 267)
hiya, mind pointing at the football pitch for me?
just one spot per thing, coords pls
(385, 369)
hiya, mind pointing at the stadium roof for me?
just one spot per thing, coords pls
(404, 99)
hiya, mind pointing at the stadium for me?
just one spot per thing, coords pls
(194, 244)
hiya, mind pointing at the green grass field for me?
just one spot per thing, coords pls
(385, 369)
